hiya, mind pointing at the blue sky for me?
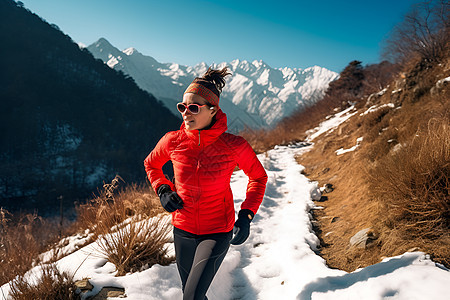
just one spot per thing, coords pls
(282, 33)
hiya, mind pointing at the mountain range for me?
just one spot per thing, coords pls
(256, 95)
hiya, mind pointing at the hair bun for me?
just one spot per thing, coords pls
(216, 77)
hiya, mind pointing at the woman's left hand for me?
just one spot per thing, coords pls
(241, 229)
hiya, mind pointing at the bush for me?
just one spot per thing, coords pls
(131, 227)
(136, 244)
(413, 184)
(114, 209)
(51, 284)
(22, 238)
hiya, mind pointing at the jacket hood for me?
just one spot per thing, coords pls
(208, 136)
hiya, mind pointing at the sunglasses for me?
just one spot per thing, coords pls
(192, 108)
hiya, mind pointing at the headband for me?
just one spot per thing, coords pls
(205, 89)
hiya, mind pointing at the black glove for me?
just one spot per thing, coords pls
(241, 228)
(169, 199)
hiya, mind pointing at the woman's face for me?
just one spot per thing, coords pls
(203, 118)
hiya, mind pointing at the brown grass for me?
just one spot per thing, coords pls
(129, 226)
(137, 244)
(22, 238)
(396, 182)
(114, 209)
(413, 184)
(50, 285)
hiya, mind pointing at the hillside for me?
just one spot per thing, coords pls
(389, 165)
(68, 122)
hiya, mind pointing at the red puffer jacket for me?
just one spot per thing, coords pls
(203, 162)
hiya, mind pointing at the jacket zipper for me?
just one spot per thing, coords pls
(197, 217)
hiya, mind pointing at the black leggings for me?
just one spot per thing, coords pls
(198, 259)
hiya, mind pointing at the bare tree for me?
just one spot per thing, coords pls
(424, 32)
(378, 76)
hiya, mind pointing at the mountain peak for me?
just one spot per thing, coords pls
(130, 51)
(103, 41)
(259, 63)
(103, 44)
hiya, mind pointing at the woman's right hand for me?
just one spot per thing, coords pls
(169, 199)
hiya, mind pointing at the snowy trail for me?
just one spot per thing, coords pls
(278, 257)
(278, 260)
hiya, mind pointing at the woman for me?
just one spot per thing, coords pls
(204, 157)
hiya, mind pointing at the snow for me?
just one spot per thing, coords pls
(130, 51)
(66, 246)
(374, 108)
(331, 123)
(378, 94)
(278, 260)
(112, 62)
(440, 83)
(342, 150)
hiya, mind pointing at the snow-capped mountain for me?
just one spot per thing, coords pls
(256, 95)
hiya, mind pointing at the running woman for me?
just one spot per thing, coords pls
(204, 157)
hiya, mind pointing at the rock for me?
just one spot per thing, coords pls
(363, 238)
(84, 285)
(315, 224)
(115, 294)
(109, 292)
(327, 188)
(316, 194)
(323, 199)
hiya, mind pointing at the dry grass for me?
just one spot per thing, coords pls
(50, 285)
(22, 238)
(413, 184)
(139, 243)
(131, 229)
(114, 209)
